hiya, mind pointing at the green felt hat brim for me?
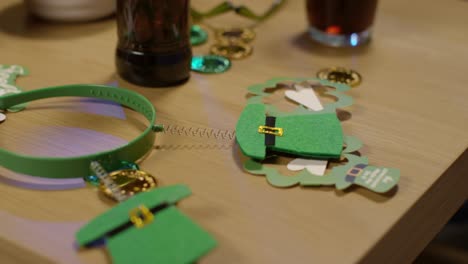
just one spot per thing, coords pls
(310, 135)
(119, 215)
(172, 237)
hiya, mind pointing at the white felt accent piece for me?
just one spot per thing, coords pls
(316, 167)
(306, 96)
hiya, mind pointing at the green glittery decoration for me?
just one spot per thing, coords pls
(129, 165)
(94, 180)
(91, 179)
(198, 36)
(210, 64)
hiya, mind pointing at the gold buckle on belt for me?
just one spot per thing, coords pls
(277, 131)
(141, 216)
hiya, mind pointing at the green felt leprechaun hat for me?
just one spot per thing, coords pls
(316, 135)
(148, 228)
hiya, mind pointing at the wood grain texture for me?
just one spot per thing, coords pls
(410, 111)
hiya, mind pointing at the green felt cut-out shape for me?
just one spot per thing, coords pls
(119, 214)
(8, 75)
(171, 237)
(314, 136)
(274, 177)
(376, 179)
(250, 141)
(317, 135)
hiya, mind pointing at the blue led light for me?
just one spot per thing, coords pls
(354, 39)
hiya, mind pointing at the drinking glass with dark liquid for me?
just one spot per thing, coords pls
(341, 23)
(153, 41)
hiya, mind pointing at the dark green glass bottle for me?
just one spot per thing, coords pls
(153, 42)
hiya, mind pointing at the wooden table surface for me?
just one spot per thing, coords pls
(410, 111)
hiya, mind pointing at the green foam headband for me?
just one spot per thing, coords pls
(74, 167)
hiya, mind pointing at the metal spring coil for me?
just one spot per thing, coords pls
(194, 147)
(210, 133)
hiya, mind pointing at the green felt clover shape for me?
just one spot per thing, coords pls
(356, 171)
(258, 90)
(8, 75)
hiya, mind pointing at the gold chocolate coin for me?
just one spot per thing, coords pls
(245, 35)
(129, 182)
(233, 51)
(340, 75)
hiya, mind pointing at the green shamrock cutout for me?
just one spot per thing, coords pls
(8, 75)
(356, 171)
(258, 92)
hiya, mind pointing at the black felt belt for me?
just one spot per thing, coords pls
(270, 121)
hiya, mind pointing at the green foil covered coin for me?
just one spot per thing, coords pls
(197, 35)
(92, 179)
(210, 64)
